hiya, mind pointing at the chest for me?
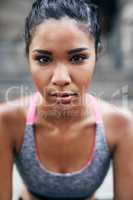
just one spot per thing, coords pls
(66, 150)
(77, 184)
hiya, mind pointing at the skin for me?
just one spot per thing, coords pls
(65, 71)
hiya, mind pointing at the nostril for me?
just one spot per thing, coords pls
(61, 82)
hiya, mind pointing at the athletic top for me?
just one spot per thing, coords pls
(45, 184)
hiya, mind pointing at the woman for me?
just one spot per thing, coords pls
(63, 140)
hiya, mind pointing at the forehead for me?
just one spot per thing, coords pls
(64, 33)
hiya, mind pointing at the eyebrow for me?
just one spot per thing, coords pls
(40, 51)
(77, 50)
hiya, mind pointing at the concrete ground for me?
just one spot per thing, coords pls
(105, 192)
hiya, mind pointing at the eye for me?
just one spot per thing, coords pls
(43, 59)
(78, 59)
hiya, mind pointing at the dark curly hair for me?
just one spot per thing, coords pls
(82, 11)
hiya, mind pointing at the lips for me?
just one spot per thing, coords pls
(63, 97)
(63, 94)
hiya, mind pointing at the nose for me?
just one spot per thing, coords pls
(61, 76)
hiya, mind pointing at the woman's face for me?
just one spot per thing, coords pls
(62, 61)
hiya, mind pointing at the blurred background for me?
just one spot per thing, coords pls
(113, 78)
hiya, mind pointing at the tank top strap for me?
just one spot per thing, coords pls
(32, 109)
(96, 108)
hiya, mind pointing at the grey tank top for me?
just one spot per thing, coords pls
(45, 184)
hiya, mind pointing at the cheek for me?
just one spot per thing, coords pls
(84, 80)
(83, 77)
(40, 75)
(40, 78)
(88, 73)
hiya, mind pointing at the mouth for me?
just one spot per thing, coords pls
(63, 97)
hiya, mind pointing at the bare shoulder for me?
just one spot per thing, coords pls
(118, 123)
(12, 120)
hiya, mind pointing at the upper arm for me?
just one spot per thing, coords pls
(6, 165)
(123, 158)
(12, 124)
(6, 157)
